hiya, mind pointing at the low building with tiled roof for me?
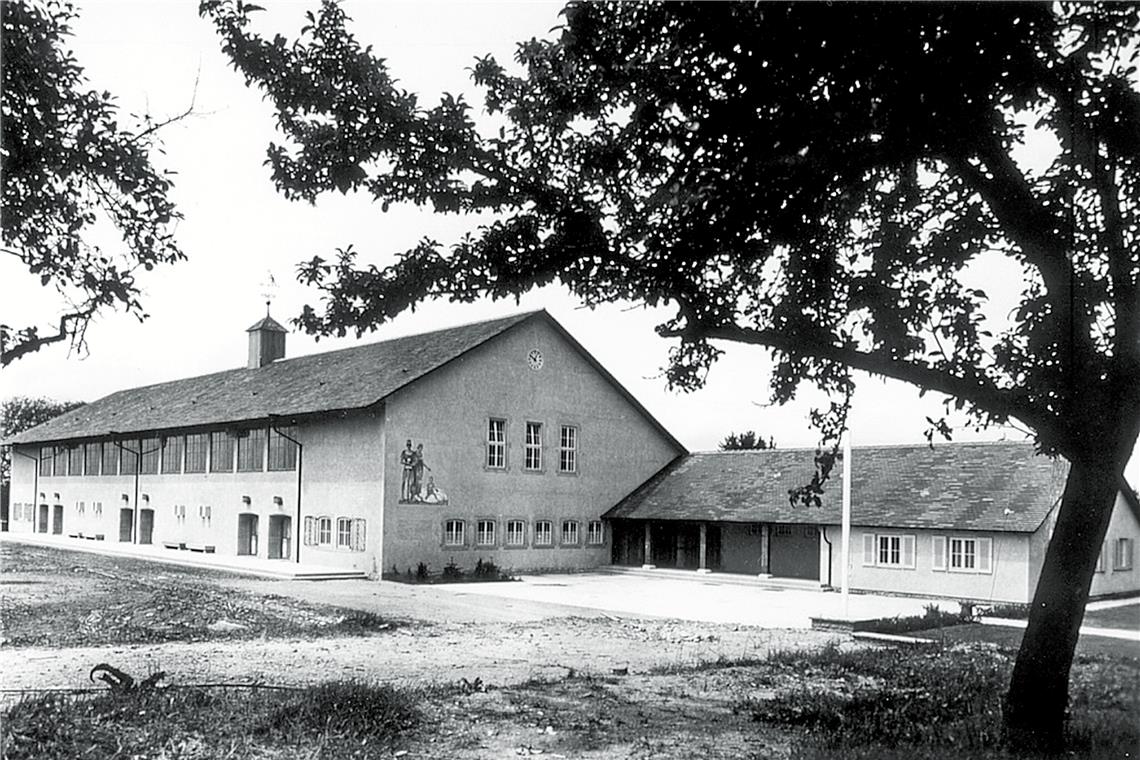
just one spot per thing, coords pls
(967, 520)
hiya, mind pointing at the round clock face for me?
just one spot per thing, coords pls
(534, 360)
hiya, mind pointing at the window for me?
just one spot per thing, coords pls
(569, 532)
(453, 533)
(597, 533)
(221, 452)
(110, 458)
(324, 531)
(568, 449)
(516, 533)
(543, 533)
(343, 532)
(251, 450)
(97, 508)
(75, 460)
(151, 451)
(128, 457)
(496, 443)
(93, 458)
(356, 542)
(196, 448)
(46, 460)
(1122, 555)
(533, 453)
(888, 550)
(172, 454)
(962, 555)
(485, 533)
(60, 461)
(282, 451)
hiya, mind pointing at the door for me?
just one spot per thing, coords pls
(794, 551)
(57, 519)
(280, 536)
(146, 526)
(126, 523)
(43, 521)
(247, 535)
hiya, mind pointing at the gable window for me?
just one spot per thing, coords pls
(47, 458)
(597, 533)
(151, 450)
(453, 533)
(568, 449)
(343, 533)
(251, 450)
(485, 533)
(197, 444)
(543, 533)
(282, 451)
(533, 453)
(172, 454)
(221, 452)
(496, 443)
(888, 550)
(92, 458)
(570, 532)
(516, 533)
(75, 460)
(110, 458)
(1122, 554)
(959, 554)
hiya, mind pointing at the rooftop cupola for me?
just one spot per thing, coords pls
(266, 342)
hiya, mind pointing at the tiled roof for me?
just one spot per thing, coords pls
(267, 323)
(963, 486)
(351, 378)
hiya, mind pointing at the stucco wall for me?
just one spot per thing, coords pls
(1112, 580)
(448, 412)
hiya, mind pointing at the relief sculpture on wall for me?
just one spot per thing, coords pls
(414, 487)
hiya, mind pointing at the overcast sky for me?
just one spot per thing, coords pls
(237, 229)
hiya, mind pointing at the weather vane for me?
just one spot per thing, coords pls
(268, 290)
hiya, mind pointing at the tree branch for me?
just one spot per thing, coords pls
(9, 355)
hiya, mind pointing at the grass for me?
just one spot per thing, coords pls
(1126, 617)
(332, 720)
(884, 703)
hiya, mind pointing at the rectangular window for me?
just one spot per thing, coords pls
(569, 533)
(151, 452)
(93, 458)
(533, 454)
(75, 460)
(969, 555)
(197, 444)
(597, 533)
(251, 450)
(889, 550)
(221, 452)
(172, 454)
(343, 533)
(110, 458)
(568, 449)
(1122, 556)
(453, 533)
(357, 543)
(324, 531)
(128, 457)
(543, 533)
(47, 458)
(496, 443)
(282, 451)
(60, 463)
(516, 533)
(485, 533)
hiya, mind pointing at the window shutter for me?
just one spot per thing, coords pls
(357, 539)
(939, 554)
(908, 551)
(985, 551)
(868, 549)
(310, 531)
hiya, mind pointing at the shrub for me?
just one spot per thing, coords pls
(452, 571)
(422, 571)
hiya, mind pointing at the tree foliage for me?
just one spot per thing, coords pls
(748, 440)
(69, 166)
(22, 413)
(828, 182)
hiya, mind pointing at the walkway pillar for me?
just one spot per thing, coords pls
(648, 560)
(703, 566)
(764, 554)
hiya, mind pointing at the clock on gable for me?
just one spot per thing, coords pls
(534, 359)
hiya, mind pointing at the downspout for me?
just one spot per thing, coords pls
(300, 463)
(135, 504)
(35, 485)
(827, 541)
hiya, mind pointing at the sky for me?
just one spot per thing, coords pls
(159, 57)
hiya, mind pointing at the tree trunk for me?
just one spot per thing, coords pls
(1038, 694)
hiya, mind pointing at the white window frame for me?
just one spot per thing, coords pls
(532, 451)
(596, 533)
(1122, 550)
(485, 532)
(324, 531)
(515, 527)
(949, 550)
(454, 533)
(901, 549)
(496, 443)
(543, 533)
(572, 537)
(344, 532)
(568, 449)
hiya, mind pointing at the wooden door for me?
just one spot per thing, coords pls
(247, 535)
(146, 526)
(126, 523)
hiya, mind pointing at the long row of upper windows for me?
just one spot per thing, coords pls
(252, 450)
(532, 446)
(455, 533)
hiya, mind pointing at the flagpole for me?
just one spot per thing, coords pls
(846, 525)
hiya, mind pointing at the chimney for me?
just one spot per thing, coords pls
(266, 342)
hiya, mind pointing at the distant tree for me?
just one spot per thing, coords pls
(746, 440)
(68, 166)
(819, 180)
(22, 413)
